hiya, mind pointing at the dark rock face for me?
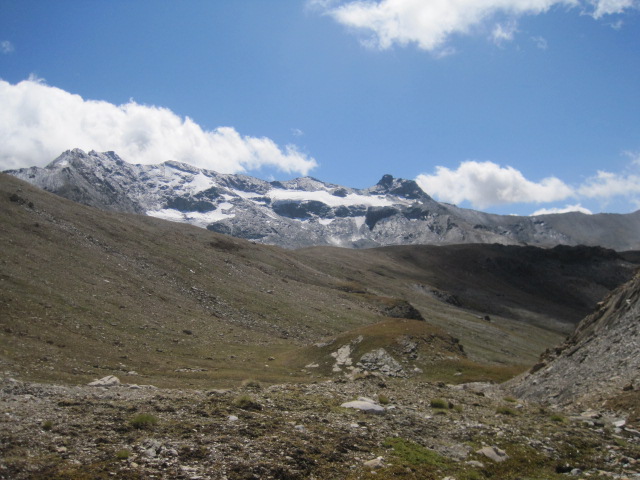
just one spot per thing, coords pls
(308, 212)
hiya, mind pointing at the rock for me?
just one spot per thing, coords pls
(475, 463)
(232, 418)
(364, 404)
(379, 360)
(108, 381)
(493, 453)
(375, 463)
(171, 452)
(342, 356)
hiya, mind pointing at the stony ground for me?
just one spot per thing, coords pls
(301, 431)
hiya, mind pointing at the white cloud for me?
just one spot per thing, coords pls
(610, 7)
(633, 156)
(504, 32)
(39, 122)
(566, 209)
(540, 42)
(605, 185)
(430, 23)
(485, 184)
(6, 46)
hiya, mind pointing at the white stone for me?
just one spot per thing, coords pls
(493, 453)
(365, 406)
(375, 463)
(108, 381)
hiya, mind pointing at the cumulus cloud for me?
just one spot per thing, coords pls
(485, 184)
(39, 122)
(566, 209)
(430, 23)
(6, 46)
(609, 7)
(605, 185)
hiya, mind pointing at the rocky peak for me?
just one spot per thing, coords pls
(306, 211)
(399, 186)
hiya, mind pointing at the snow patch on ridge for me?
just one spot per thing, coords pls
(194, 218)
(325, 197)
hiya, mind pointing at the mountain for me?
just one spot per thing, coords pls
(85, 292)
(235, 360)
(308, 212)
(599, 362)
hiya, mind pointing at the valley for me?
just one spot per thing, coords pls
(234, 359)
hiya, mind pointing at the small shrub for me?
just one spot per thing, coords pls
(505, 411)
(47, 426)
(143, 421)
(245, 402)
(251, 385)
(413, 454)
(558, 418)
(383, 400)
(123, 454)
(510, 399)
(439, 403)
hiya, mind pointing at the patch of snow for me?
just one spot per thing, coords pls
(195, 218)
(325, 221)
(335, 241)
(359, 221)
(201, 182)
(248, 195)
(325, 197)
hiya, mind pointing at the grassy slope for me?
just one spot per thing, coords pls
(86, 293)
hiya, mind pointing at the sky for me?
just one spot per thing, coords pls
(506, 106)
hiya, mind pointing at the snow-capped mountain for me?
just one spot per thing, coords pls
(305, 211)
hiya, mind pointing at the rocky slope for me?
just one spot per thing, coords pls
(306, 211)
(418, 430)
(599, 361)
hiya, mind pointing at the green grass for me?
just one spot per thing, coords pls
(558, 418)
(439, 403)
(123, 454)
(411, 454)
(246, 402)
(506, 411)
(143, 421)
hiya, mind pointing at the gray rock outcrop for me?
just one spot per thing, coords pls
(597, 362)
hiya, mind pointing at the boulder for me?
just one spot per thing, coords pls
(364, 404)
(493, 453)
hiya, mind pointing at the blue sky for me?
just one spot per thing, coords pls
(508, 106)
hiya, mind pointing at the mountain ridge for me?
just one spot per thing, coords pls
(307, 212)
